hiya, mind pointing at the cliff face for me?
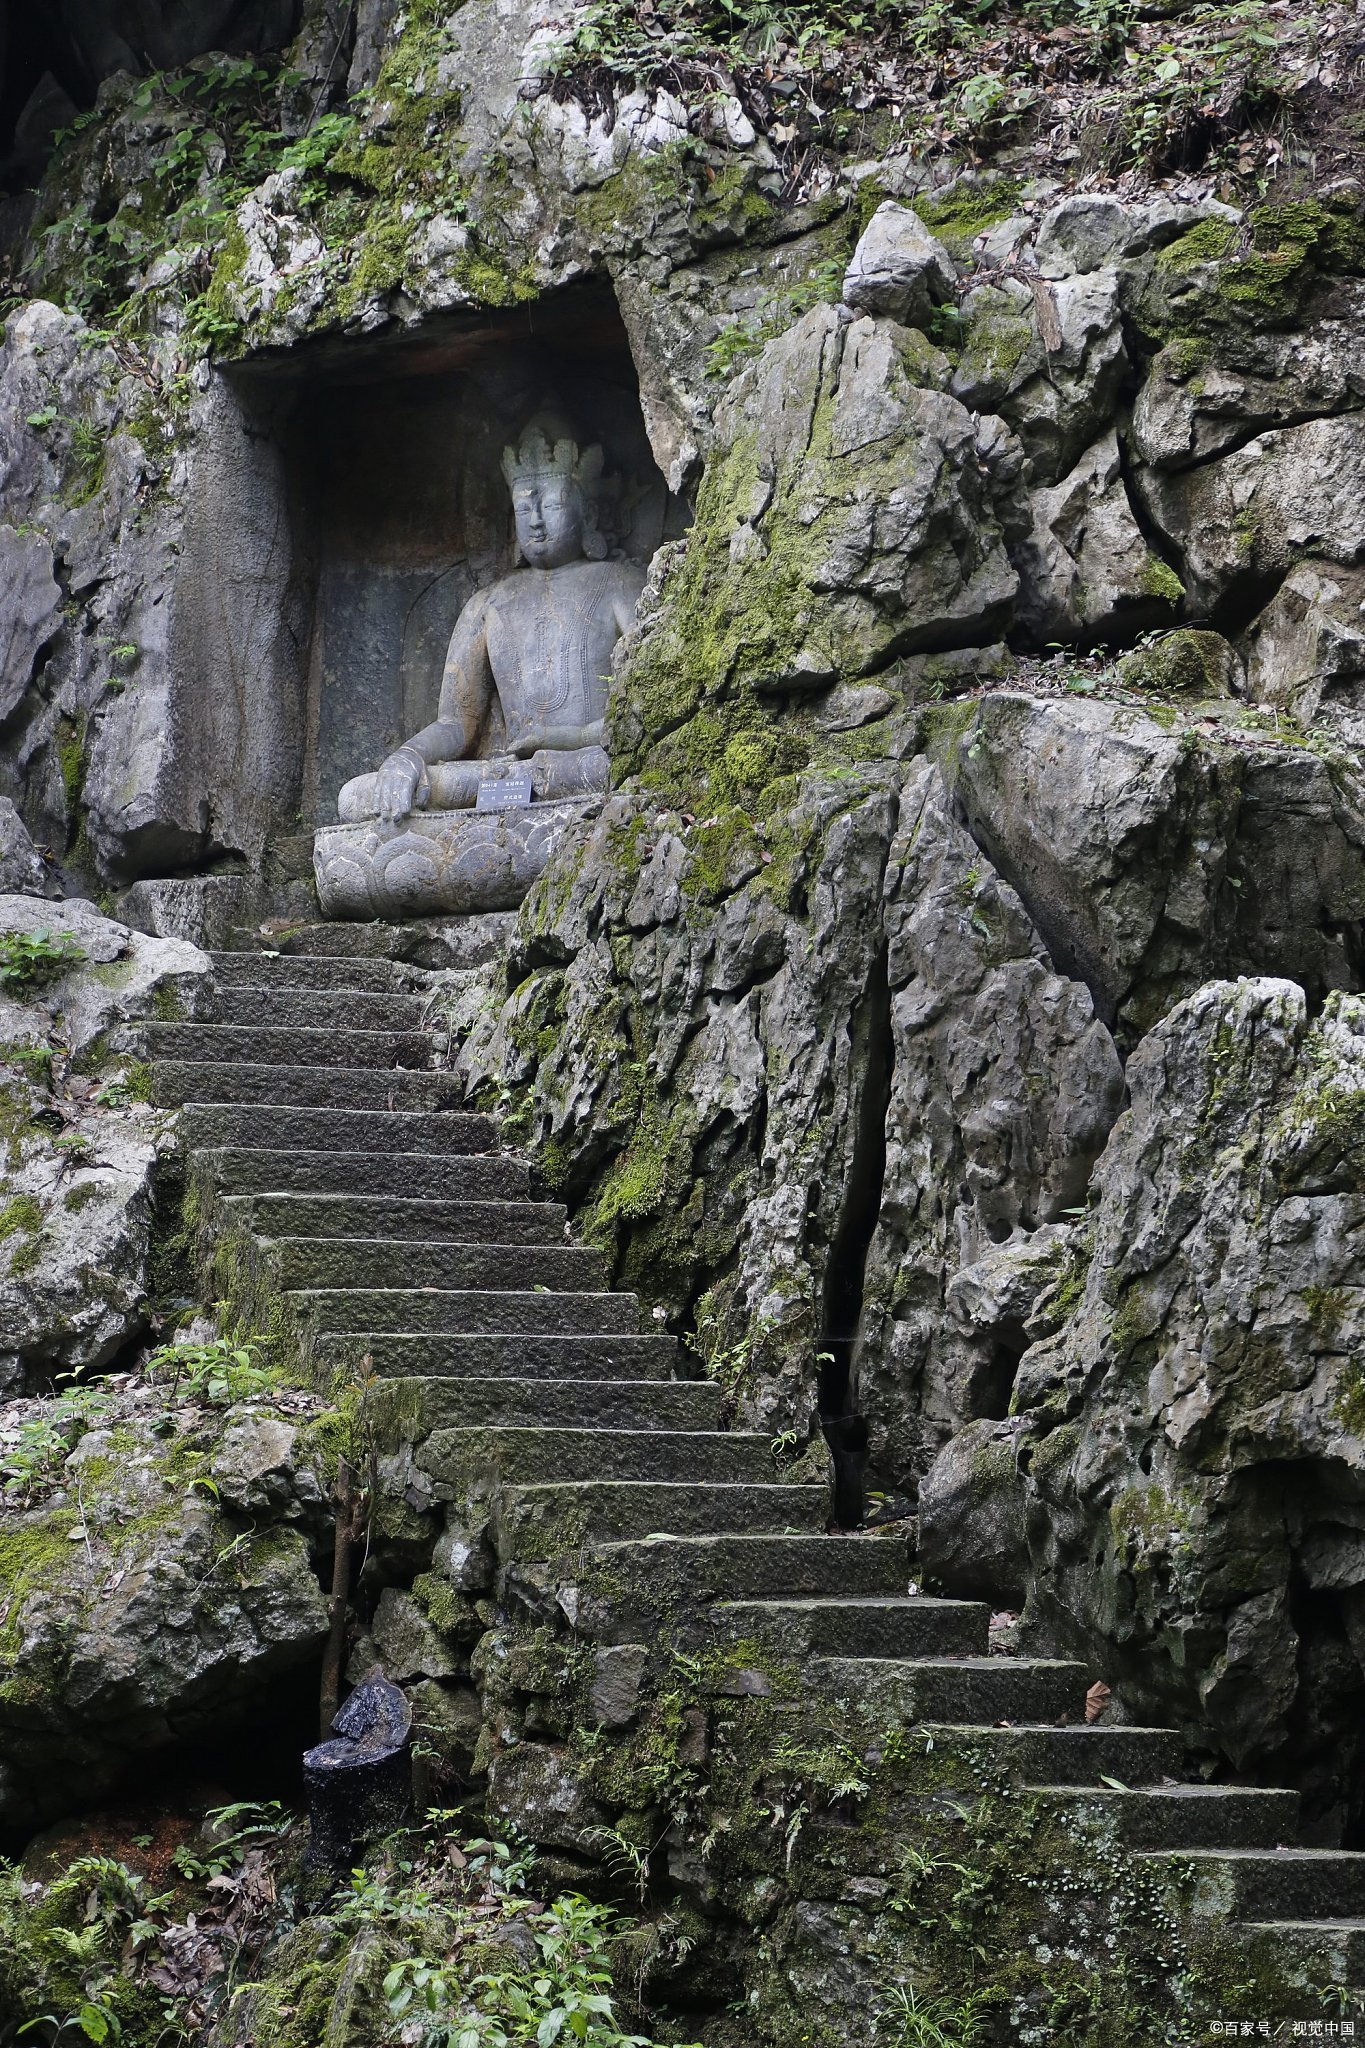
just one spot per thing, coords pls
(950, 1023)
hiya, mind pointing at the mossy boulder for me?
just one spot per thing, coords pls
(152, 1596)
(1188, 664)
(1241, 521)
(1227, 275)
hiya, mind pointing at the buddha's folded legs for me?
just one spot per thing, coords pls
(454, 785)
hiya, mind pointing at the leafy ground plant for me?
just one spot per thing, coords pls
(100, 1953)
(34, 1451)
(216, 1373)
(469, 1959)
(29, 959)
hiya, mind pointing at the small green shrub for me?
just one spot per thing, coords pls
(217, 1373)
(33, 1453)
(29, 959)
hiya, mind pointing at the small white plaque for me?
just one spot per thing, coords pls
(505, 792)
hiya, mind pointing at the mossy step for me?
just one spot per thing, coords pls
(1075, 1755)
(412, 1408)
(405, 1218)
(340, 1009)
(703, 1568)
(858, 1626)
(1328, 1951)
(545, 1521)
(466, 1310)
(520, 1355)
(263, 1046)
(972, 1689)
(267, 1171)
(294, 970)
(375, 1261)
(236, 1081)
(1271, 1884)
(276, 1128)
(458, 1460)
(1182, 1816)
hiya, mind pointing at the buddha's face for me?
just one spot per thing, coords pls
(549, 516)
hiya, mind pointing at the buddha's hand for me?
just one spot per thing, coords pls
(402, 785)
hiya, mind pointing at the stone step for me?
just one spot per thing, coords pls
(1073, 1755)
(520, 1355)
(857, 1626)
(411, 1088)
(263, 1046)
(300, 970)
(462, 1311)
(1330, 1951)
(1271, 1884)
(281, 1129)
(728, 1567)
(421, 1405)
(1176, 1818)
(406, 1219)
(370, 1262)
(1057, 1757)
(544, 1521)
(332, 1009)
(531, 1456)
(423, 941)
(1182, 1816)
(253, 1170)
(972, 1689)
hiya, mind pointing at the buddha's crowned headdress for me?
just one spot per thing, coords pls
(547, 451)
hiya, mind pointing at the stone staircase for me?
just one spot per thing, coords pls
(396, 1228)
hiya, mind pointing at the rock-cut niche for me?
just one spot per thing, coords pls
(399, 508)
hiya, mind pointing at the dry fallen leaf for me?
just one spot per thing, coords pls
(1096, 1700)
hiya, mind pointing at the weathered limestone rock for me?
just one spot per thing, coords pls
(255, 1469)
(857, 511)
(1243, 520)
(1203, 397)
(32, 602)
(1003, 1089)
(1049, 358)
(1086, 571)
(618, 1674)
(1197, 1481)
(1090, 230)
(76, 1185)
(1150, 864)
(1189, 663)
(23, 872)
(898, 269)
(123, 976)
(169, 722)
(972, 1539)
(408, 1645)
(539, 1789)
(692, 1149)
(1308, 645)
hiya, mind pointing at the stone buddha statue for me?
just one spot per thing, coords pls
(518, 735)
